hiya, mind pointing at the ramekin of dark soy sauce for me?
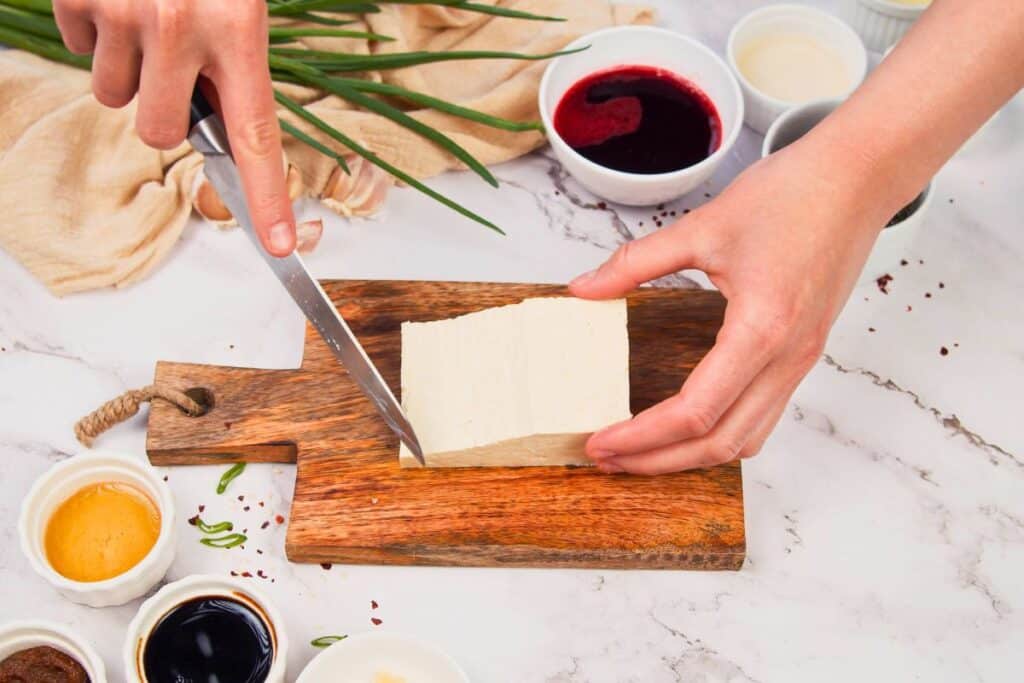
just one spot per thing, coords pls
(205, 628)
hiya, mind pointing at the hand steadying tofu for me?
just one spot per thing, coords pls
(518, 385)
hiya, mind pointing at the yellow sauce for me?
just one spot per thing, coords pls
(101, 531)
(383, 677)
(794, 67)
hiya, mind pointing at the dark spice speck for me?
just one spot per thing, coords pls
(375, 621)
(883, 283)
(326, 566)
(944, 351)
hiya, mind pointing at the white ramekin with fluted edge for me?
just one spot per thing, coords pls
(641, 46)
(366, 655)
(893, 242)
(198, 586)
(22, 635)
(880, 23)
(762, 109)
(69, 476)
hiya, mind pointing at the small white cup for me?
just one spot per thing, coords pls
(641, 46)
(365, 655)
(894, 240)
(22, 635)
(880, 23)
(198, 586)
(60, 483)
(762, 109)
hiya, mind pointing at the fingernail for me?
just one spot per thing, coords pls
(610, 467)
(281, 237)
(601, 454)
(583, 279)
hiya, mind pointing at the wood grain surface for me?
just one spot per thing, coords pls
(354, 504)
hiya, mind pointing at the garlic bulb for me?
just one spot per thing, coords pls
(358, 193)
(208, 204)
(308, 235)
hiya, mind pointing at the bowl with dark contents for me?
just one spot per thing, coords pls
(206, 628)
(901, 230)
(45, 651)
(641, 115)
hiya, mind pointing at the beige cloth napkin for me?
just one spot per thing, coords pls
(85, 204)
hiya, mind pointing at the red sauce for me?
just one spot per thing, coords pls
(639, 119)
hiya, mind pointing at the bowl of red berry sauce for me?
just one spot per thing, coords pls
(642, 115)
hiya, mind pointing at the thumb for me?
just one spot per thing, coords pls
(636, 262)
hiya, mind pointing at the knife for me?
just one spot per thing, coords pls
(209, 137)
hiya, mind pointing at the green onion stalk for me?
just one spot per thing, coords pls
(29, 25)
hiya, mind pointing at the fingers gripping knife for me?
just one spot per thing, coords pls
(208, 136)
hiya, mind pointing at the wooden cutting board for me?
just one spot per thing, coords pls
(353, 504)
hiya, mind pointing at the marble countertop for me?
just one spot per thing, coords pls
(885, 517)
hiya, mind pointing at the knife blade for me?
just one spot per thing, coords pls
(209, 137)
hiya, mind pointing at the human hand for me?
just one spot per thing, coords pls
(158, 49)
(784, 243)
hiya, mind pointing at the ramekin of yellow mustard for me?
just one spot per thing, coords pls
(100, 528)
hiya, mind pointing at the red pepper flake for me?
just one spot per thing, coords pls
(234, 573)
(245, 509)
(202, 507)
(602, 206)
(686, 211)
(241, 498)
(373, 604)
(260, 574)
(942, 285)
(944, 351)
(664, 213)
(279, 519)
(247, 575)
(927, 295)
(883, 283)
(193, 520)
(261, 503)
(227, 425)
(326, 566)
(264, 525)
(871, 329)
(258, 551)
(375, 621)
(903, 262)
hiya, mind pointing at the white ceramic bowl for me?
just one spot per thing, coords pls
(641, 46)
(197, 586)
(63, 480)
(762, 109)
(880, 23)
(21, 635)
(360, 658)
(894, 240)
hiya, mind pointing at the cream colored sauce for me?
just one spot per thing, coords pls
(793, 67)
(912, 3)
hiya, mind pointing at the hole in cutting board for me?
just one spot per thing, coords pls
(204, 397)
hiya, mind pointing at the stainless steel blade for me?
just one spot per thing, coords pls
(209, 138)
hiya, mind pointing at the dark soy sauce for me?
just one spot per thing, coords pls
(639, 119)
(213, 639)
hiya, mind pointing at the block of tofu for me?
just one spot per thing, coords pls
(518, 385)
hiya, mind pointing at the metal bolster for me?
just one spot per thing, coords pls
(209, 137)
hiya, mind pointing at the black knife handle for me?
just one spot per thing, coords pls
(200, 108)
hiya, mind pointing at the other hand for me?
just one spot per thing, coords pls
(784, 243)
